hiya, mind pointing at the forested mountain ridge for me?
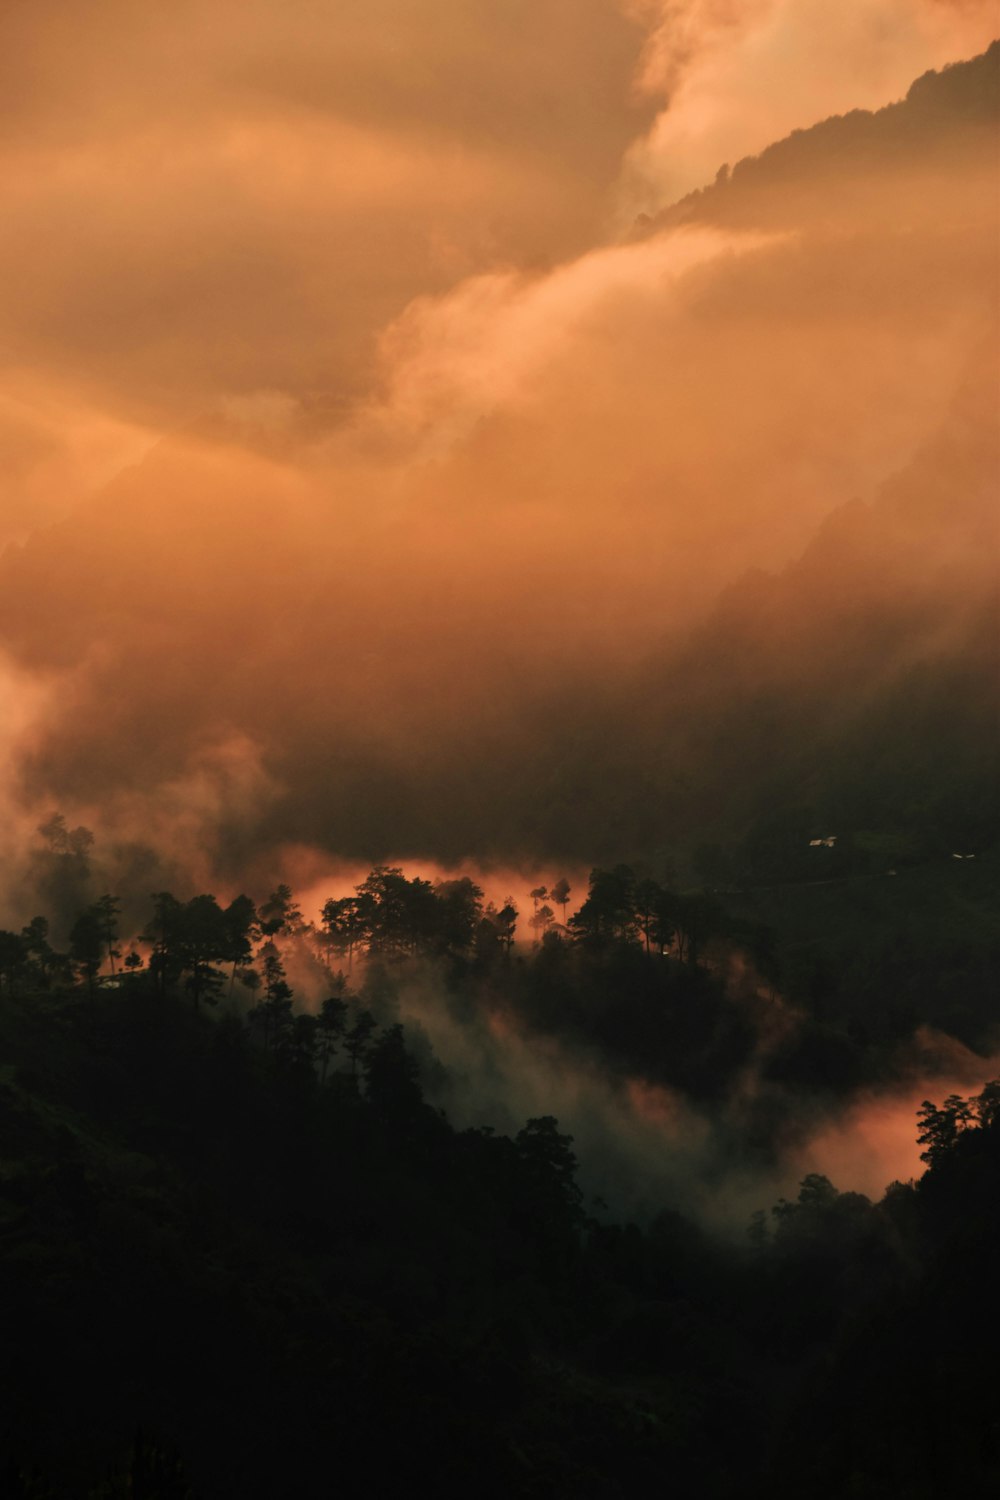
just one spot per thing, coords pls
(828, 170)
(359, 1287)
(855, 685)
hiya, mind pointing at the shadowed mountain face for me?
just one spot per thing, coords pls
(503, 607)
(857, 684)
(836, 172)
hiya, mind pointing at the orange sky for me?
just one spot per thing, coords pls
(365, 417)
(223, 202)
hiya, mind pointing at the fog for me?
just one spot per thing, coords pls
(415, 448)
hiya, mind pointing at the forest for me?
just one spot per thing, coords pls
(246, 1251)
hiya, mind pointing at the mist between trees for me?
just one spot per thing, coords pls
(699, 1057)
(367, 1216)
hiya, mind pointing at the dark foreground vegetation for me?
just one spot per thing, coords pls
(242, 1255)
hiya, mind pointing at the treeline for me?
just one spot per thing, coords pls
(268, 1214)
(278, 1273)
(804, 989)
(636, 972)
(202, 945)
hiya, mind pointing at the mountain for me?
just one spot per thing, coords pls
(833, 170)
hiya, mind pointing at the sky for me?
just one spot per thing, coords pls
(221, 206)
(349, 410)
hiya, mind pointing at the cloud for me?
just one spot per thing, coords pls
(214, 200)
(398, 543)
(223, 197)
(738, 74)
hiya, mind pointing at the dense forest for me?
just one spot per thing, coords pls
(246, 1252)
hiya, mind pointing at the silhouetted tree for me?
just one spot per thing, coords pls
(941, 1127)
(560, 894)
(357, 1040)
(608, 913)
(203, 938)
(280, 914)
(108, 908)
(541, 921)
(648, 900)
(392, 1078)
(987, 1104)
(343, 926)
(163, 933)
(459, 910)
(43, 958)
(239, 921)
(274, 1013)
(554, 1200)
(398, 916)
(86, 946)
(331, 1026)
(506, 923)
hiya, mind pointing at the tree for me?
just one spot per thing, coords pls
(331, 1025)
(664, 924)
(55, 833)
(560, 894)
(816, 1193)
(541, 921)
(459, 910)
(162, 932)
(343, 926)
(203, 939)
(108, 908)
(274, 1013)
(608, 913)
(75, 842)
(239, 920)
(280, 914)
(358, 1039)
(392, 1078)
(506, 923)
(987, 1105)
(86, 946)
(398, 916)
(554, 1202)
(35, 937)
(941, 1128)
(62, 866)
(648, 900)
